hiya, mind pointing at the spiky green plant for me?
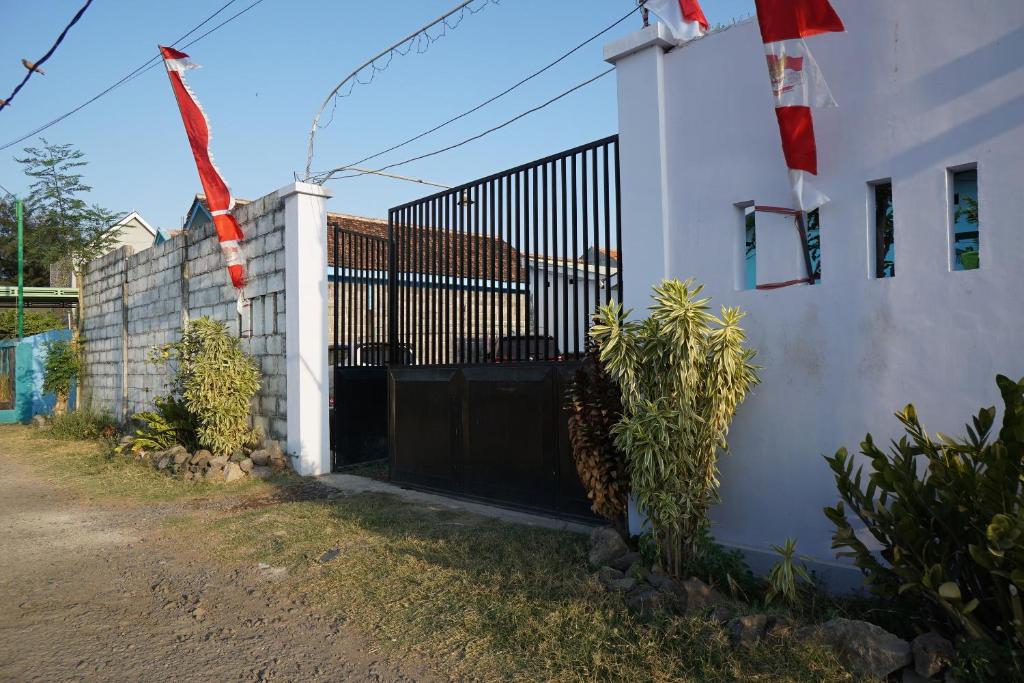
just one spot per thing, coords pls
(682, 371)
(782, 579)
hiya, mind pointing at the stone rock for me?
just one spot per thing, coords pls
(189, 475)
(646, 601)
(261, 472)
(246, 465)
(175, 449)
(623, 585)
(932, 653)
(700, 596)
(232, 472)
(274, 449)
(164, 462)
(866, 649)
(626, 561)
(722, 615)
(638, 571)
(201, 454)
(180, 457)
(748, 630)
(214, 475)
(660, 580)
(911, 676)
(260, 458)
(39, 422)
(218, 461)
(330, 555)
(779, 627)
(237, 456)
(605, 575)
(606, 545)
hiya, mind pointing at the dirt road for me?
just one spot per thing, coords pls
(97, 594)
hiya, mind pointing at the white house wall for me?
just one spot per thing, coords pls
(923, 86)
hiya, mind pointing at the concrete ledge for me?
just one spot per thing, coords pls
(655, 35)
(352, 484)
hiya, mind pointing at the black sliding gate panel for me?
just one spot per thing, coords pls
(492, 286)
(358, 352)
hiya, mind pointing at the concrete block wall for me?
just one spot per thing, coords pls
(135, 302)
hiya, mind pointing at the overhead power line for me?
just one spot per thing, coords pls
(486, 102)
(421, 39)
(53, 48)
(328, 175)
(145, 66)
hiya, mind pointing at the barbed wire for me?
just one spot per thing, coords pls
(421, 40)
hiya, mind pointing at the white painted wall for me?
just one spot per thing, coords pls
(922, 86)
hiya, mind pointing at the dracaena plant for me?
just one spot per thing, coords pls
(948, 515)
(682, 372)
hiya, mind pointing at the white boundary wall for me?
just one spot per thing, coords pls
(923, 86)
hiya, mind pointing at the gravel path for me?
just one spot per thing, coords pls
(95, 594)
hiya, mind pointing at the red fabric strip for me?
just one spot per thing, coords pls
(692, 12)
(796, 126)
(788, 19)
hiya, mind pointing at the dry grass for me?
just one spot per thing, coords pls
(482, 600)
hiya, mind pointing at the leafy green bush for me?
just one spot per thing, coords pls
(169, 425)
(82, 425)
(721, 567)
(60, 369)
(595, 405)
(782, 579)
(215, 380)
(36, 322)
(682, 373)
(952, 531)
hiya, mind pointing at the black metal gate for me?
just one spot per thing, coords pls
(359, 353)
(492, 286)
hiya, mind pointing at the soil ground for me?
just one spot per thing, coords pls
(102, 593)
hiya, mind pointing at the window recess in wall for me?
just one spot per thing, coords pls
(965, 228)
(811, 237)
(884, 230)
(746, 256)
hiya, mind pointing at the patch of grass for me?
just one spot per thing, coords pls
(82, 425)
(91, 469)
(485, 600)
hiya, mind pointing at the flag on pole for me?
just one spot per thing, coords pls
(797, 84)
(218, 196)
(684, 18)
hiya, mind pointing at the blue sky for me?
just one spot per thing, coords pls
(265, 74)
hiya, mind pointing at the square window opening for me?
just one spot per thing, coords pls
(965, 227)
(746, 253)
(883, 230)
(812, 245)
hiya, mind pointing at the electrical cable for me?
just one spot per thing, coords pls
(49, 53)
(492, 99)
(145, 66)
(474, 137)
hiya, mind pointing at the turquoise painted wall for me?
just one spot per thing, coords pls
(29, 359)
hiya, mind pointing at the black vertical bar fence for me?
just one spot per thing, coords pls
(508, 268)
(360, 280)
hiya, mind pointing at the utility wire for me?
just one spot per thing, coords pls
(49, 53)
(488, 101)
(475, 137)
(148, 64)
(416, 38)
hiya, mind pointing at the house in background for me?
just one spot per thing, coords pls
(135, 232)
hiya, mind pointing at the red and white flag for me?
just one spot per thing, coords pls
(218, 196)
(797, 84)
(684, 18)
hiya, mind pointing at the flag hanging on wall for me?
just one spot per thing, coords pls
(684, 18)
(218, 196)
(797, 84)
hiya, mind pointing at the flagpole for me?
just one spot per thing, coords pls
(21, 268)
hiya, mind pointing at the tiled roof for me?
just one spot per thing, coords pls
(434, 252)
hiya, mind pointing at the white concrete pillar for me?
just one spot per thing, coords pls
(647, 252)
(647, 238)
(305, 248)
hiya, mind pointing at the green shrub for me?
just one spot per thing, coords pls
(60, 369)
(36, 322)
(721, 567)
(82, 425)
(782, 579)
(169, 425)
(951, 527)
(595, 405)
(215, 380)
(682, 373)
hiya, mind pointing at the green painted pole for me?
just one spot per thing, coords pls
(21, 269)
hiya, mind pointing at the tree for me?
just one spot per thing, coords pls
(38, 249)
(76, 230)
